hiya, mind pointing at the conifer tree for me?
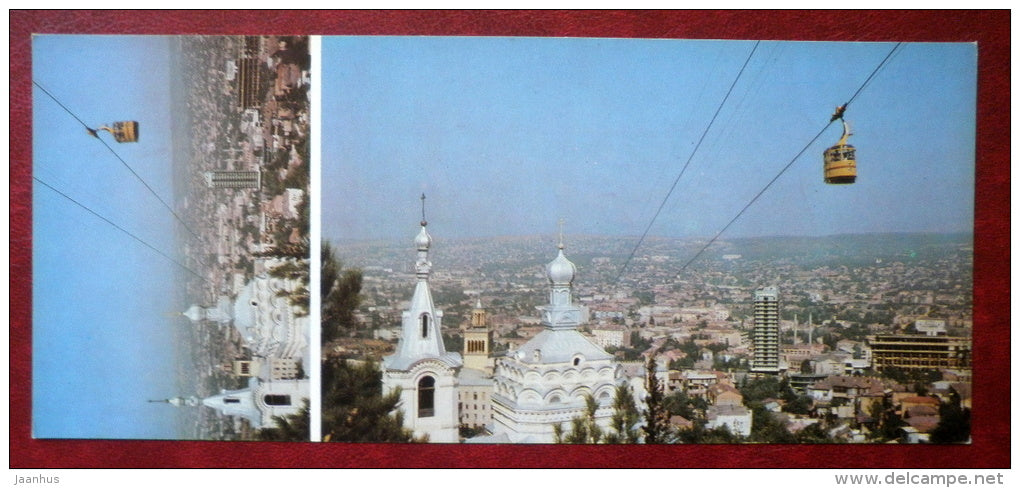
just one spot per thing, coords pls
(656, 417)
(354, 408)
(341, 291)
(294, 427)
(583, 429)
(625, 417)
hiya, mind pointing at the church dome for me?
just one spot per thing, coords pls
(561, 271)
(195, 313)
(423, 240)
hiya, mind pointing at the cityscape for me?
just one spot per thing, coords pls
(823, 309)
(246, 130)
(869, 344)
(551, 286)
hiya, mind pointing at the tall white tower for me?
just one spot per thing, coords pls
(765, 334)
(421, 367)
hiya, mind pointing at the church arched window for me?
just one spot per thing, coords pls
(425, 326)
(277, 400)
(426, 396)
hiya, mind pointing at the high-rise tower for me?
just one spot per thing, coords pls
(765, 333)
(233, 179)
(421, 367)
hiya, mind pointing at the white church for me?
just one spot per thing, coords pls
(542, 384)
(276, 334)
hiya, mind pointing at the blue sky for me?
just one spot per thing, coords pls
(102, 303)
(508, 135)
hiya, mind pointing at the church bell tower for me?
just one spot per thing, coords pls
(421, 367)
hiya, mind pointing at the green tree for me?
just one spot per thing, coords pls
(700, 435)
(690, 408)
(954, 422)
(886, 421)
(625, 417)
(757, 390)
(813, 434)
(656, 416)
(294, 427)
(766, 428)
(583, 428)
(341, 295)
(354, 408)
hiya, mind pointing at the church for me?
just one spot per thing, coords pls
(518, 398)
(277, 335)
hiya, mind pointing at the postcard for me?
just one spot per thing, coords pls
(518, 241)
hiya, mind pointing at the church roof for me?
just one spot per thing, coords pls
(474, 377)
(404, 363)
(559, 346)
(237, 403)
(421, 329)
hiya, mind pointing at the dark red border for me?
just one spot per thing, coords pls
(991, 432)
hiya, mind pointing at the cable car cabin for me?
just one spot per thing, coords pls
(126, 131)
(841, 161)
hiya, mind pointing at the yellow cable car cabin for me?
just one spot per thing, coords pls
(841, 161)
(126, 131)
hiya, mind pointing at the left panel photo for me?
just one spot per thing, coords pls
(171, 237)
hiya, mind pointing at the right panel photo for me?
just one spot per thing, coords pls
(580, 241)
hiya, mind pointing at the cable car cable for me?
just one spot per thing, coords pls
(748, 205)
(108, 221)
(178, 217)
(137, 176)
(686, 164)
(873, 73)
(86, 126)
(767, 186)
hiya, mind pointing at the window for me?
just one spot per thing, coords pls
(231, 400)
(277, 400)
(425, 326)
(426, 396)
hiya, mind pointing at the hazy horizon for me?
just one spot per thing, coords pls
(506, 136)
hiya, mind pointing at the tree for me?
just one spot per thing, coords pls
(340, 295)
(656, 417)
(583, 429)
(813, 434)
(760, 389)
(294, 427)
(625, 417)
(354, 408)
(887, 421)
(690, 408)
(954, 422)
(700, 435)
(766, 428)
